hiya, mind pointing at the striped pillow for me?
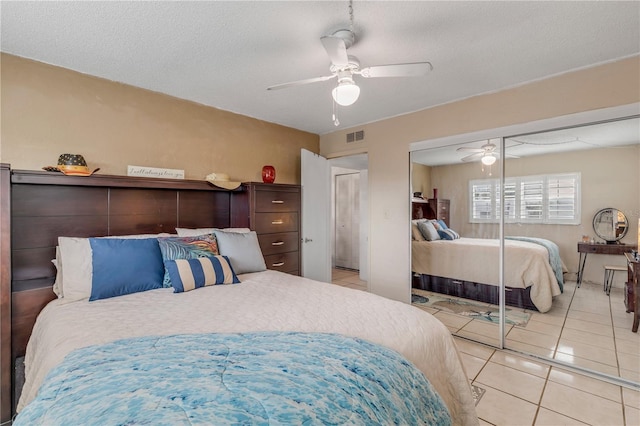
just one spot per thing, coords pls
(189, 274)
(173, 248)
(448, 234)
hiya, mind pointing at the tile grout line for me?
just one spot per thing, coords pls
(615, 349)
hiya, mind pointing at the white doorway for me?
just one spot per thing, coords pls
(346, 249)
(318, 213)
(350, 215)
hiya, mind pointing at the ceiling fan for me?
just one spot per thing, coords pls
(344, 67)
(486, 154)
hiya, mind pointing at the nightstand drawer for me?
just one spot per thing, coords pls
(443, 210)
(279, 243)
(269, 223)
(284, 262)
(277, 201)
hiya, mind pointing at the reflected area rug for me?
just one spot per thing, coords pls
(468, 308)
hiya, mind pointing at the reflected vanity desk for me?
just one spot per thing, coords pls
(631, 300)
(599, 248)
(611, 225)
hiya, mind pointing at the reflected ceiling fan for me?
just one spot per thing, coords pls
(344, 67)
(487, 153)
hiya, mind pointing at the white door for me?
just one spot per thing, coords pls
(316, 215)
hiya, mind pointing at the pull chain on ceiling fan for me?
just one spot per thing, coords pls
(344, 67)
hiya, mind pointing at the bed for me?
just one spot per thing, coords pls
(468, 267)
(265, 346)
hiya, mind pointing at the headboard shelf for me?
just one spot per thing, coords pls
(113, 181)
(37, 207)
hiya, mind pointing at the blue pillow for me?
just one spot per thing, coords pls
(448, 234)
(442, 224)
(124, 266)
(189, 274)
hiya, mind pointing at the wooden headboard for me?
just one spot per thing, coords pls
(46, 205)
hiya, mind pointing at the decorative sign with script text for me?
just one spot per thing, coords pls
(153, 172)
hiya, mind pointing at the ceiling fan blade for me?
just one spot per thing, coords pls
(468, 148)
(417, 69)
(336, 49)
(473, 157)
(300, 82)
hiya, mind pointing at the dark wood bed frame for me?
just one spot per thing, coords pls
(516, 297)
(36, 207)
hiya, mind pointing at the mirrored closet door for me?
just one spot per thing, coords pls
(574, 193)
(552, 230)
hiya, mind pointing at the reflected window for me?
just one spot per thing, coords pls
(548, 199)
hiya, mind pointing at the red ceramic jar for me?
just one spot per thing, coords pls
(268, 174)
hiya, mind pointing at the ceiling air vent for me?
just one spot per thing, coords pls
(355, 136)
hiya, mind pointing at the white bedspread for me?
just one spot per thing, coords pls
(474, 259)
(264, 301)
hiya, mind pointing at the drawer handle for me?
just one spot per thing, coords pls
(456, 282)
(277, 222)
(277, 264)
(277, 202)
(277, 243)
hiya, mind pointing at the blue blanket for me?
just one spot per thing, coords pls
(249, 378)
(554, 255)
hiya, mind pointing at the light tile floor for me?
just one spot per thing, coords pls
(348, 278)
(523, 391)
(584, 328)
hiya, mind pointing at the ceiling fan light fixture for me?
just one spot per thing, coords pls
(488, 159)
(346, 92)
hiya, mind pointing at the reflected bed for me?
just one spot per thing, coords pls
(469, 268)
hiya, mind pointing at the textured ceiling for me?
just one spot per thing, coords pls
(225, 54)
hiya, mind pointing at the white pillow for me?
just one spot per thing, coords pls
(195, 232)
(75, 258)
(57, 284)
(242, 249)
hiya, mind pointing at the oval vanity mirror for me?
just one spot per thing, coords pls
(610, 224)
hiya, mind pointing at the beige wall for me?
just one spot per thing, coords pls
(47, 111)
(387, 143)
(609, 178)
(421, 180)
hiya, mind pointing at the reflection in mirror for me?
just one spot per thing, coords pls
(448, 248)
(560, 181)
(610, 224)
(554, 184)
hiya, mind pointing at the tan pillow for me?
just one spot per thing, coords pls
(415, 232)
